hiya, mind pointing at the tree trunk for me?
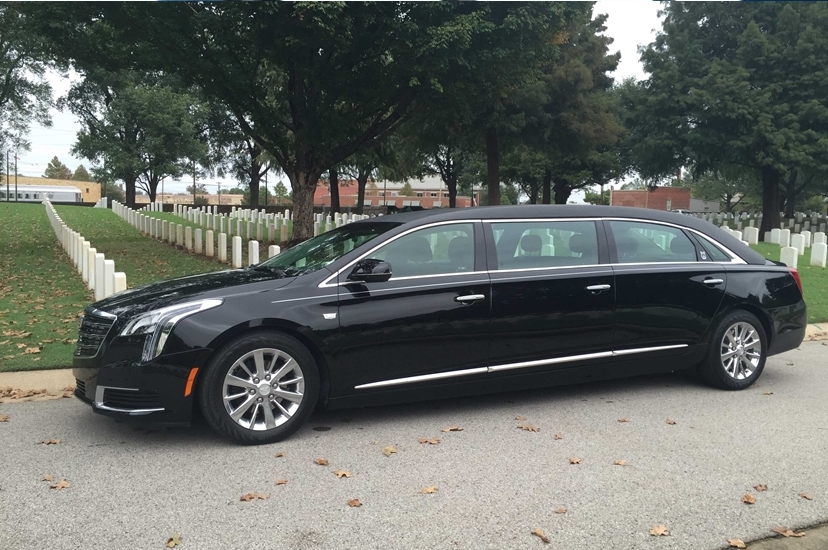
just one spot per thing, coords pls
(547, 186)
(770, 199)
(790, 195)
(153, 189)
(129, 187)
(562, 191)
(451, 183)
(362, 181)
(333, 183)
(534, 191)
(304, 187)
(255, 180)
(493, 166)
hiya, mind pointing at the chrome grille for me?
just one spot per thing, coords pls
(131, 399)
(93, 330)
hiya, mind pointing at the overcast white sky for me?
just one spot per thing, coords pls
(631, 23)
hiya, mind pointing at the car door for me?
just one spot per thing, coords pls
(666, 294)
(429, 322)
(552, 295)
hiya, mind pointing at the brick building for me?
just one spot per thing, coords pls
(430, 192)
(660, 198)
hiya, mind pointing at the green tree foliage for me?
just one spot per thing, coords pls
(56, 170)
(593, 196)
(200, 189)
(139, 129)
(280, 192)
(729, 190)
(737, 84)
(25, 95)
(81, 174)
(406, 190)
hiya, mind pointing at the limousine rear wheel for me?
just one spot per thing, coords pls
(737, 352)
(260, 388)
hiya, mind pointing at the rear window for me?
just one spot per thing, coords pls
(539, 244)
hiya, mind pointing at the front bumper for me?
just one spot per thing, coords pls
(129, 389)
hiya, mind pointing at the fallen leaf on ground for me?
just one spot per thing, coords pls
(48, 477)
(174, 541)
(62, 484)
(768, 393)
(528, 428)
(736, 543)
(520, 417)
(785, 532)
(452, 429)
(429, 490)
(432, 441)
(281, 482)
(321, 461)
(31, 351)
(558, 436)
(806, 496)
(4, 418)
(50, 442)
(659, 531)
(620, 462)
(561, 510)
(623, 419)
(342, 473)
(354, 503)
(574, 460)
(279, 455)
(389, 450)
(252, 496)
(540, 534)
(749, 499)
(761, 487)
(671, 422)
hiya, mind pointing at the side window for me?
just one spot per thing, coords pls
(538, 244)
(431, 251)
(642, 242)
(715, 253)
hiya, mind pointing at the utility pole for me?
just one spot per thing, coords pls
(15, 177)
(8, 197)
(265, 191)
(219, 193)
(194, 184)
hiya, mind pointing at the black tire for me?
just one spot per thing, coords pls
(212, 388)
(720, 371)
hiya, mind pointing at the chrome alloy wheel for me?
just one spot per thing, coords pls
(263, 389)
(741, 350)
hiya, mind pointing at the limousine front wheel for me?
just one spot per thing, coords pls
(737, 352)
(260, 388)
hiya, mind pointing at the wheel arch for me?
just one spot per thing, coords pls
(303, 334)
(753, 309)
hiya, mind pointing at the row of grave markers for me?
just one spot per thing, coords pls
(96, 271)
(195, 241)
(791, 245)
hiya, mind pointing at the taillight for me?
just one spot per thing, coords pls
(795, 274)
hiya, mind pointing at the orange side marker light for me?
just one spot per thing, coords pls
(188, 389)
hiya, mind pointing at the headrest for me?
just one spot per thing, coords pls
(682, 247)
(583, 244)
(531, 243)
(418, 250)
(461, 251)
(627, 246)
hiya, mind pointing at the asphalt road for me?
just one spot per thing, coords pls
(133, 487)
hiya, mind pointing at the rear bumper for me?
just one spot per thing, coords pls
(790, 325)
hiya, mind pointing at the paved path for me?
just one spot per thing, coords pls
(134, 487)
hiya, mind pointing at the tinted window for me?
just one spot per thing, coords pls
(431, 251)
(533, 244)
(641, 242)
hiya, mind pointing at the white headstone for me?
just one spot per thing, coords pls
(272, 250)
(222, 247)
(120, 281)
(818, 254)
(774, 236)
(198, 246)
(188, 238)
(798, 242)
(768, 237)
(99, 277)
(819, 238)
(92, 254)
(789, 256)
(85, 260)
(252, 252)
(237, 253)
(785, 237)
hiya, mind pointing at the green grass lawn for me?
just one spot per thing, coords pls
(143, 259)
(814, 281)
(41, 293)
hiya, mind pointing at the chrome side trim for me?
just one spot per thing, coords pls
(99, 396)
(327, 282)
(305, 298)
(511, 366)
(422, 378)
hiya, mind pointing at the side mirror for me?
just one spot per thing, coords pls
(370, 271)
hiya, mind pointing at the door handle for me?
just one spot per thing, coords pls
(713, 282)
(598, 288)
(469, 298)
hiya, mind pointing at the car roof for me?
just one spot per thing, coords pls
(563, 211)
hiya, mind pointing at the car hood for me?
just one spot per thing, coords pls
(209, 285)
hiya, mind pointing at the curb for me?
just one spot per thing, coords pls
(56, 381)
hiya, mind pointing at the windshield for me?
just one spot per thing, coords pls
(319, 251)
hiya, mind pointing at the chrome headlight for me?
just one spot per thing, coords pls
(159, 323)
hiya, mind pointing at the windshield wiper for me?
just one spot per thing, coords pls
(275, 270)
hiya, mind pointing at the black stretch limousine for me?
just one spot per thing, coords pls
(436, 304)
